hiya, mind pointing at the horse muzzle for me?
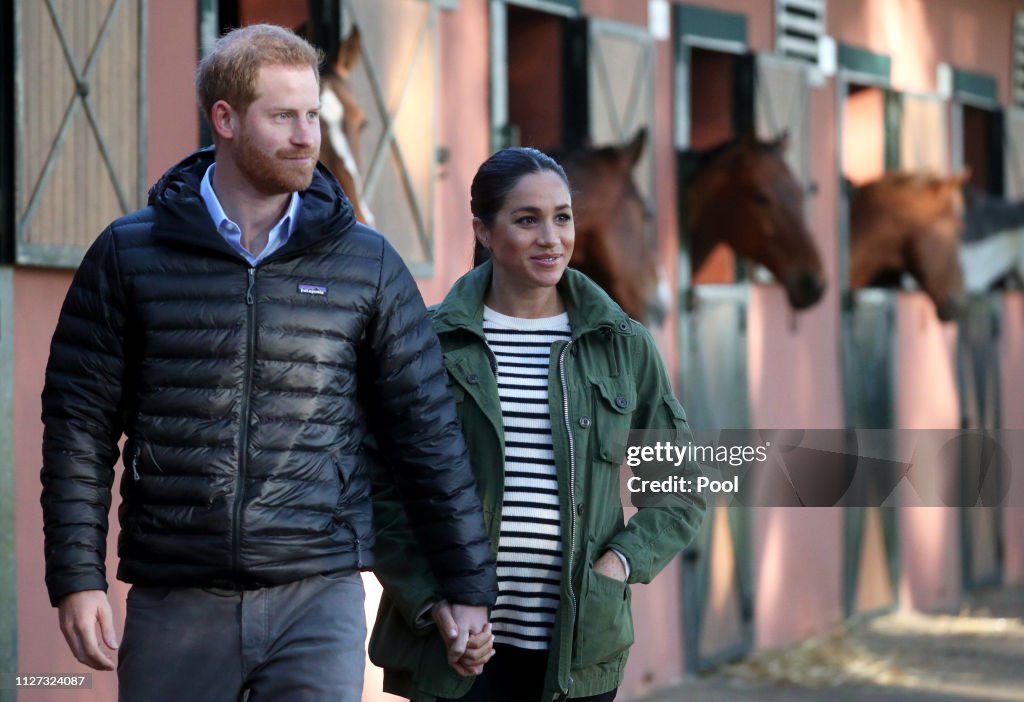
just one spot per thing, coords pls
(952, 308)
(804, 289)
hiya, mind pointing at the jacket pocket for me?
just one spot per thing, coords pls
(613, 416)
(605, 622)
(679, 423)
(348, 470)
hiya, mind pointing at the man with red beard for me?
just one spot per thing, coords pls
(243, 333)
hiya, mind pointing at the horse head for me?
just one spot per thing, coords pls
(911, 222)
(742, 194)
(611, 220)
(342, 121)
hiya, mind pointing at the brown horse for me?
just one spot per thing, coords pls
(611, 217)
(743, 195)
(612, 243)
(342, 121)
(910, 222)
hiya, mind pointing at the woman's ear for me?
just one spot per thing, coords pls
(482, 234)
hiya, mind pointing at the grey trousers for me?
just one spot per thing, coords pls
(300, 642)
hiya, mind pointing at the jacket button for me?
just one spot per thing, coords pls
(473, 378)
(621, 402)
(623, 326)
(585, 422)
(579, 508)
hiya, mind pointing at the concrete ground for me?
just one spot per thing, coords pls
(973, 657)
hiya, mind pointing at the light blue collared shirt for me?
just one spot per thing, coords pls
(232, 233)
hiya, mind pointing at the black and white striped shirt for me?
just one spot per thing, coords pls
(530, 545)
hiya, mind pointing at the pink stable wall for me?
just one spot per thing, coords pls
(927, 398)
(37, 298)
(1012, 373)
(795, 383)
(38, 293)
(975, 35)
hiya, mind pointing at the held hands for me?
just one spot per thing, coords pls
(85, 619)
(467, 634)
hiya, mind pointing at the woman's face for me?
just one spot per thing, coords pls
(532, 237)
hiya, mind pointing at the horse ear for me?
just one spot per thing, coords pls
(780, 144)
(349, 51)
(963, 177)
(635, 148)
(693, 160)
(688, 163)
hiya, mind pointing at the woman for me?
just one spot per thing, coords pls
(549, 377)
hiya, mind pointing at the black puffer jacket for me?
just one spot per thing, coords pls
(245, 393)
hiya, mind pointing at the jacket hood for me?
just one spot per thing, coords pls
(588, 306)
(181, 213)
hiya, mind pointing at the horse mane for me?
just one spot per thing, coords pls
(693, 161)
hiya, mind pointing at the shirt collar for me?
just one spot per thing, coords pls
(213, 206)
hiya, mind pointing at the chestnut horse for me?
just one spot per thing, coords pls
(910, 222)
(612, 245)
(342, 121)
(742, 194)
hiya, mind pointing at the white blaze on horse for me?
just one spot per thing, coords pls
(342, 121)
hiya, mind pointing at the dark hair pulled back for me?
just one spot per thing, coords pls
(497, 177)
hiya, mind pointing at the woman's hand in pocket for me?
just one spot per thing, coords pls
(610, 565)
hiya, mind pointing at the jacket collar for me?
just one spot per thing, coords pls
(181, 213)
(588, 306)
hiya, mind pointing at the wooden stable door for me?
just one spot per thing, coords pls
(620, 90)
(80, 123)
(396, 84)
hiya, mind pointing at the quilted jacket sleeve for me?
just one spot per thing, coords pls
(414, 420)
(81, 417)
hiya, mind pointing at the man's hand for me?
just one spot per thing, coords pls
(467, 634)
(610, 565)
(85, 619)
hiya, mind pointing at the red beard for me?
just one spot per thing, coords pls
(274, 174)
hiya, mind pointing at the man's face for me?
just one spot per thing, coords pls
(279, 135)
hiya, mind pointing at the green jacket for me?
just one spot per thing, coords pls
(606, 381)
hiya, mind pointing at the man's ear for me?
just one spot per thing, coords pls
(223, 120)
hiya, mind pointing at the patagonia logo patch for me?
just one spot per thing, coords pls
(308, 289)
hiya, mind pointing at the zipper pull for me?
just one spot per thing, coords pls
(135, 465)
(248, 291)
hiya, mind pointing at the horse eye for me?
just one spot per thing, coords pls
(762, 199)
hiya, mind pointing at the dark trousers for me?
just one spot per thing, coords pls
(516, 675)
(300, 642)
